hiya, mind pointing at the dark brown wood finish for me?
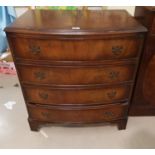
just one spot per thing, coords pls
(76, 50)
(75, 96)
(76, 75)
(143, 103)
(87, 115)
(89, 22)
(79, 67)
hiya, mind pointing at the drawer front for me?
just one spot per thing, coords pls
(85, 115)
(76, 75)
(76, 50)
(77, 96)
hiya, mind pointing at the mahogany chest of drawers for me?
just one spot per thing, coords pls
(76, 67)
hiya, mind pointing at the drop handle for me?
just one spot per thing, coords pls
(45, 114)
(117, 50)
(111, 94)
(108, 114)
(114, 75)
(34, 49)
(39, 75)
(43, 96)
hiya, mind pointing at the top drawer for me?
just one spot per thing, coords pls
(76, 50)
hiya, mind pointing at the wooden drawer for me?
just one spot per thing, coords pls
(80, 115)
(76, 50)
(75, 75)
(77, 96)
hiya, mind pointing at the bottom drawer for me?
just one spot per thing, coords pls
(91, 114)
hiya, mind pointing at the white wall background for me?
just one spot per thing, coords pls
(20, 10)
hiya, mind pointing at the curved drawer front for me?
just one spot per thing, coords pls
(73, 96)
(87, 115)
(76, 75)
(76, 50)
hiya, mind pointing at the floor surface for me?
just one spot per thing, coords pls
(15, 132)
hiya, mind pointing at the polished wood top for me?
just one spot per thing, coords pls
(79, 22)
(151, 8)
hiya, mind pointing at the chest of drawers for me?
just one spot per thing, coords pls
(76, 67)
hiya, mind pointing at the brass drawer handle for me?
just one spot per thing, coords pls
(108, 114)
(117, 50)
(44, 96)
(111, 94)
(40, 75)
(45, 114)
(34, 49)
(113, 75)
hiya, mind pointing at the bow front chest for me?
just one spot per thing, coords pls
(76, 67)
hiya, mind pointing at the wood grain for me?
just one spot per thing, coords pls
(87, 115)
(76, 75)
(89, 22)
(76, 50)
(76, 67)
(76, 96)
